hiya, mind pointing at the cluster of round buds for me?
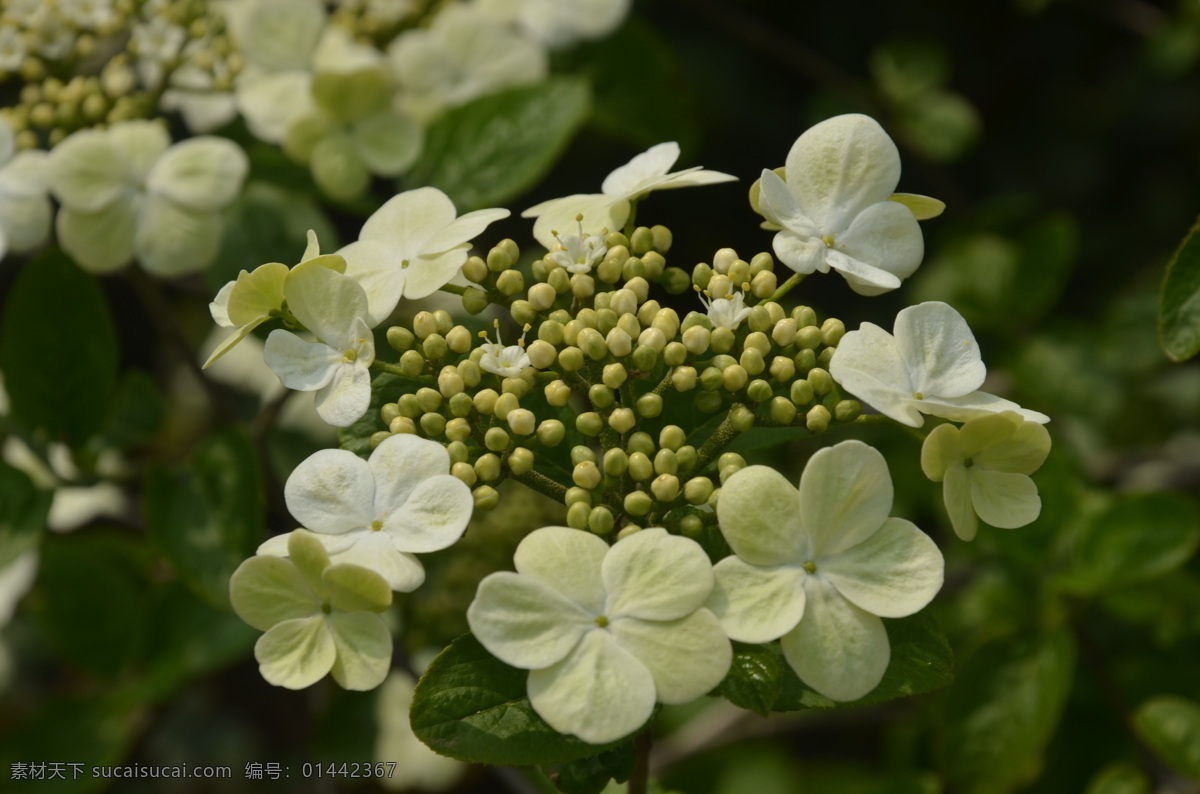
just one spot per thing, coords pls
(600, 370)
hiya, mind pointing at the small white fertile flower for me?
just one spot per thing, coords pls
(379, 512)
(819, 568)
(157, 43)
(337, 365)
(25, 209)
(932, 365)
(727, 312)
(609, 209)
(412, 246)
(834, 211)
(507, 362)
(578, 253)
(605, 632)
(126, 192)
(985, 468)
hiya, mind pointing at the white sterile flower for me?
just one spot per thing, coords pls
(337, 365)
(72, 506)
(507, 362)
(379, 512)
(578, 253)
(463, 55)
(560, 23)
(318, 617)
(985, 468)
(25, 209)
(605, 632)
(819, 568)
(727, 312)
(932, 365)
(609, 209)
(834, 209)
(417, 767)
(412, 246)
(126, 191)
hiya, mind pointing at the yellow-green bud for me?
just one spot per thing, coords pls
(808, 337)
(847, 410)
(687, 457)
(551, 432)
(761, 263)
(676, 281)
(653, 338)
(589, 423)
(425, 324)
(665, 462)
(721, 340)
(485, 401)
(723, 259)
(764, 285)
(731, 459)
(653, 264)
(832, 331)
(445, 321)
(552, 332)
(702, 275)
(817, 419)
(593, 345)
(586, 475)
(633, 268)
(460, 404)
(627, 530)
(409, 406)
(540, 269)
(825, 357)
(804, 315)
(683, 378)
(759, 390)
(719, 286)
(641, 241)
(820, 380)
(614, 375)
(739, 272)
(582, 286)
(522, 311)
(557, 393)
(496, 439)
(486, 497)
(521, 421)
(741, 417)
(644, 358)
(504, 403)
(782, 369)
(647, 312)
(458, 339)
(570, 359)
(433, 425)
(429, 399)
(487, 467)
(622, 420)
(400, 339)
(801, 392)
(665, 487)
(672, 437)
(577, 515)
(623, 301)
(606, 318)
(470, 372)
(388, 412)
(541, 353)
(724, 476)
(464, 472)
(696, 340)
(640, 287)
(712, 378)
(640, 468)
(734, 377)
(475, 269)
(474, 300)
(577, 495)
(587, 317)
(517, 387)
(600, 520)
(435, 347)
(774, 310)
(542, 296)
(458, 452)
(805, 360)
(752, 361)
(560, 280)
(697, 490)
(402, 425)
(619, 343)
(708, 401)
(667, 321)
(662, 238)
(783, 410)
(641, 442)
(759, 341)
(638, 503)
(412, 363)
(609, 269)
(600, 396)
(760, 319)
(690, 526)
(628, 322)
(520, 461)
(784, 332)
(674, 354)
(379, 437)
(649, 405)
(458, 429)
(500, 259)
(616, 462)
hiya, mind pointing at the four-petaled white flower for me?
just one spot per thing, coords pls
(604, 631)
(578, 253)
(379, 512)
(985, 468)
(25, 210)
(727, 312)
(126, 191)
(820, 568)
(412, 246)
(610, 208)
(318, 617)
(336, 366)
(507, 362)
(834, 211)
(932, 365)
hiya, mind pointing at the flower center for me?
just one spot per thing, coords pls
(350, 354)
(810, 567)
(376, 526)
(326, 608)
(918, 396)
(404, 263)
(602, 622)
(829, 240)
(968, 463)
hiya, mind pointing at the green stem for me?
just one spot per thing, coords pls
(721, 438)
(639, 780)
(454, 289)
(542, 484)
(786, 287)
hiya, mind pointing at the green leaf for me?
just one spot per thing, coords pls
(1170, 726)
(492, 150)
(591, 775)
(921, 662)
(58, 349)
(755, 679)
(471, 706)
(1179, 310)
(1119, 778)
(23, 511)
(137, 413)
(385, 388)
(1139, 538)
(207, 520)
(1003, 710)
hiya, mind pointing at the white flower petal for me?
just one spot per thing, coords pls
(525, 622)
(364, 649)
(801, 254)
(400, 464)
(25, 220)
(939, 349)
(758, 513)
(599, 211)
(838, 649)
(860, 275)
(568, 560)
(268, 590)
(1023, 451)
(654, 162)
(656, 576)
(779, 206)
(867, 363)
(884, 236)
(26, 175)
(141, 144)
(757, 604)
(371, 264)
(687, 657)
(1004, 499)
(203, 174)
(429, 273)
(331, 491)
(280, 34)
(408, 220)
(599, 693)
(388, 143)
(956, 493)
(346, 397)
(174, 241)
(976, 404)
(845, 496)
(300, 365)
(462, 230)
(892, 574)
(328, 304)
(270, 102)
(376, 551)
(296, 653)
(434, 516)
(100, 242)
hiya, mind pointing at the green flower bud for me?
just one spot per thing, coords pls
(623, 301)
(644, 358)
(662, 238)
(764, 285)
(702, 275)
(379, 437)
(739, 272)
(665, 487)
(640, 442)
(521, 421)
(541, 354)
(667, 321)
(761, 263)
(499, 260)
(760, 319)
(557, 393)
(665, 462)
(505, 403)
(676, 281)
(606, 318)
(775, 310)
(722, 340)
(759, 390)
(674, 354)
(570, 359)
(712, 378)
(647, 312)
(619, 343)
(586, 475)
(638, 503)
(470, 372)
(400, 339)
(576, 495)
(784, 332)
(708, 402)
(577, 515)
(683, 378)
(475, 269)
(582, 286)
(539, 269)
(464, 472)
(445, 321)
(723, 259)
(560, 280)
(805, 360)
(571, 332)
(759, 341)
(825, 357)
(589, 423)
(522, 311)
(458, 452)
(641, 241)
(600, 520)
(614, 375)
(458, 339)
(653, 264)
(601, 396)
(627, 530)
(653, 338)
(593, 345)
(388, 412)
(640, 288)
(783, 410)
(734, 377)
(742, 418)
(425, 324)
(804, 316)
(487, 467)
(697, 490)
(601, 301)
(640, 467)
(801, 392)
(820, 380)
(724, 476)
(460, 404)
(433, 425)
(474, 300)
(622, 420)
(409, 406)
(832, 331)
(633, 268)
(496, 439)
(628, 322)
(412, 363)
(752, 361)
(429, 399)
(402, 425)
(552, 332)
(782, 369)
(458, 429)
(542, 296)
(616, 462)
(672, 437)
(690, 526)
(847, 410)
(614, 239)
(696, 340)
(551, 432)
(719, 286)
(486, 497)
(609, 269)
(817, 419)
(435, 347)
(687, 457)
(731, 459)
(520, 461)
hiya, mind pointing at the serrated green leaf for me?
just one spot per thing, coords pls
(58, 350)
(921, 662)
(385, 388)
(1171, 727)
(207, 520)
(23, 511)
(489, 151)
(755, 678)
(1003, 710)
(471, 706)
(1139, 538)
(1179, 310)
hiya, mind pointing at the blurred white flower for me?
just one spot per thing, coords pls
(417, 767)
(25, 209)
